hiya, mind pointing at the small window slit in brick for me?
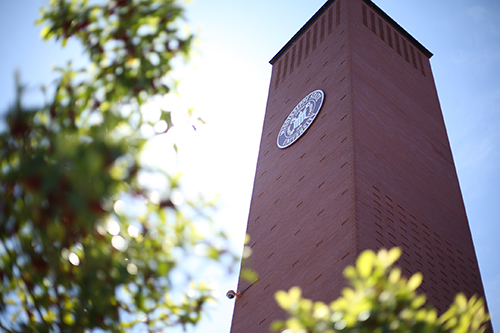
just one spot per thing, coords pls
(318, 243)
(345, 192)
(269, 134)
(321, 212)
(295, 263)
(345, 255)
(277, 200)
(376, 188)
(296, 233)
(377, 210)
(342, 62)
(378, 218)
(274, 226)
(266, 153)
(321, 160)
(279, 177)
(378, 203)
(343, 165)
(282, 155)
(267, 286)
(342, 79)
(344, 222)
(301, 178)
(378, 225)
(263, 172)
(244, 305)
(251, 246)
(303, 155)
(378, 232)
(379, 241)
(326, 78)
(325, 64)
(258, 217)
(365, 20)
(269, 256)
(322, 137)
(288, 100)
(263, 320)
(343, 97)
(343, 140)
(317, 277)
(343, 117)
(321, 184)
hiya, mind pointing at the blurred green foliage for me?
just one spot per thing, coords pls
(378, 300)
(84, 243)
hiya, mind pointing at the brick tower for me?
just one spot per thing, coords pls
(372, 170)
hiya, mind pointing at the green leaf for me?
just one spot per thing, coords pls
(365, 262)
(415, 281)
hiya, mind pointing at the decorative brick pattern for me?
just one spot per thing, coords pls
(308, 43)
(386, 36)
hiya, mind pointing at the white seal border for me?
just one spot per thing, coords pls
(288, 119)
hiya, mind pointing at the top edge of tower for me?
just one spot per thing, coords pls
(374, 7)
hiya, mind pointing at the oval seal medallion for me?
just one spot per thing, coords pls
(300, 118)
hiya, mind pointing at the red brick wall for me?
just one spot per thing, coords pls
(407, 191)
(373, 170)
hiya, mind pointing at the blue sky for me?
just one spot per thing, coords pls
(229, 88)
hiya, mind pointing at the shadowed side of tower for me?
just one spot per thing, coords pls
(407, 190)
(374, 170)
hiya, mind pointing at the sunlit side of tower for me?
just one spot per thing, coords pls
(374, 170)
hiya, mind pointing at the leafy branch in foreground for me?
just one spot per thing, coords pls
(85, 241)
(379, 300)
